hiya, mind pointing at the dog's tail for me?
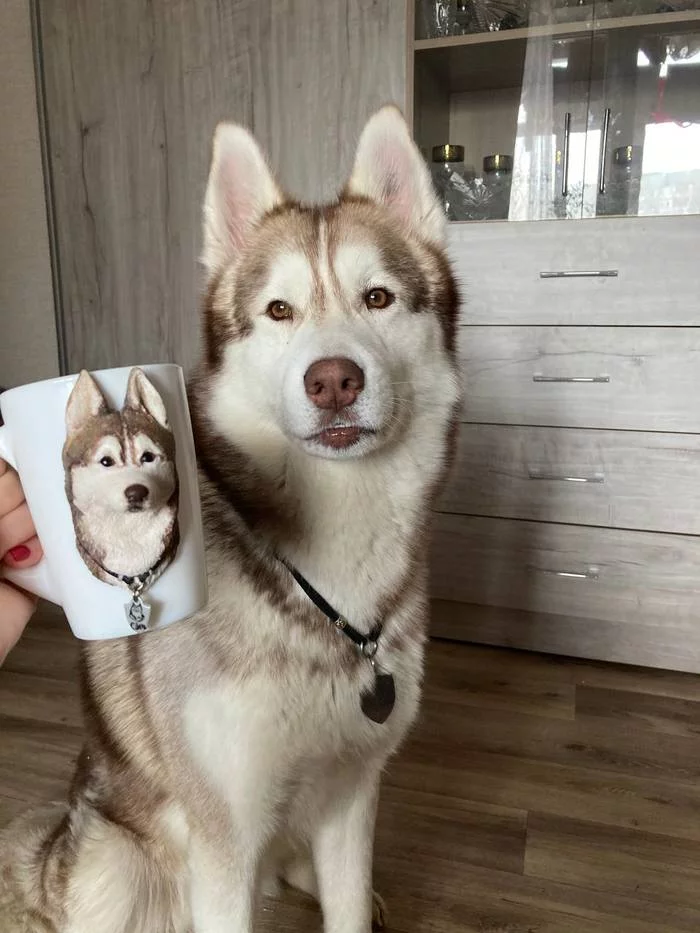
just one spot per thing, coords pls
(71, 868)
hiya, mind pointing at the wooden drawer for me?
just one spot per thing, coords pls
(675, 648)
(627, 577)
(648, 378)
(499, 266)
(617, 479)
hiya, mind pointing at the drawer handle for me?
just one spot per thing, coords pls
(581, 274)
(566, 477)
(538, 377)
(592, 573)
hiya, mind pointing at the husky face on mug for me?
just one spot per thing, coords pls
(121, 481)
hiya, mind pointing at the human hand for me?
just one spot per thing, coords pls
(19, 547)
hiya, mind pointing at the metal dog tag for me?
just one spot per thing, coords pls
(137, 613)
(378, 702)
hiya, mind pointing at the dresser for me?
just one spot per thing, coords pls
(571, 519)
(564, 143)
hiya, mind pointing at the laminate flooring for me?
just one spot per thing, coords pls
(537, 794)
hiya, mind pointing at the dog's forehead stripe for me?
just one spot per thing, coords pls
(128, 440)
(327, 281)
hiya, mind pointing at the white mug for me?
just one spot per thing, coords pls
(109, 472)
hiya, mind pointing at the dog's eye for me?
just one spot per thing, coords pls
(107, 462)
(378, 298)
(279, 310)
(147, 456)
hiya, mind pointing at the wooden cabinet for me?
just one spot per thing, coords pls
(571, 520)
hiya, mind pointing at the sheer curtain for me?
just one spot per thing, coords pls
(532, 188)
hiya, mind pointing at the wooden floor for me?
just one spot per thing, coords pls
(537, 794)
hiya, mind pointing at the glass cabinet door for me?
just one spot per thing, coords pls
(645, 115)
(541, 109)
(512, 104)
(550, 134)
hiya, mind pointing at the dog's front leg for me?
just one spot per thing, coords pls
(342, 849)
(223, 874)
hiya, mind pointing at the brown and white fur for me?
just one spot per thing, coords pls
(230, 750)
(121, 480)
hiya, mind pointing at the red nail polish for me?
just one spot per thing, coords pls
(19, 553)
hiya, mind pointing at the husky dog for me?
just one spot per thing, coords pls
(121, 481)
(234, 750)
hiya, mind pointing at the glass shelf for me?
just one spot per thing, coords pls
(600, 115)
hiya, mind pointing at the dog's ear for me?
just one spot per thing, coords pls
(85, 402)
(239, 191)
(389, 169)
(142, 395)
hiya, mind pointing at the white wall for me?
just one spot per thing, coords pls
(27, 329)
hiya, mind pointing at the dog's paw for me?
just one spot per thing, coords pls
(380, 916)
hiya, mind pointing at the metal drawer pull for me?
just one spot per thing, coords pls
(593, 573)
(540, 378)
(581, 274)
(566, 478)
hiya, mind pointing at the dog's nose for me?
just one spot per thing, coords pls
(334, 383)
(136, 494)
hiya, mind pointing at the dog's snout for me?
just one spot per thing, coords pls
(136, 494)
(334, 383)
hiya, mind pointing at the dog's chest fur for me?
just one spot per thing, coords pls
(128, 543)
(293, 682)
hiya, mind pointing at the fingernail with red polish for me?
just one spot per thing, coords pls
(19, 553)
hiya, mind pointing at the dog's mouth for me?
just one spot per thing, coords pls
(340, 437)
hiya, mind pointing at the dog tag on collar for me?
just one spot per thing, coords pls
(378, 702)
(137, 613)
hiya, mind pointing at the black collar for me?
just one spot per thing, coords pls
(378, 702)
(366, 643)
(138, 581)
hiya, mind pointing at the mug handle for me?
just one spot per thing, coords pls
(35, 579)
